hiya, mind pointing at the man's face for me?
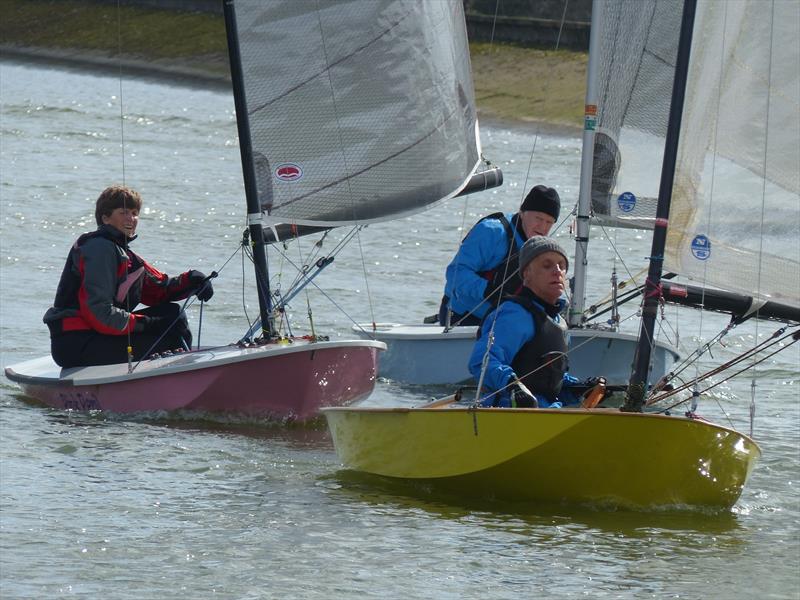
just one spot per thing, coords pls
(535, 222)
(545, 276)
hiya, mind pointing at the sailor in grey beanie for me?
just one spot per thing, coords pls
(539, 244)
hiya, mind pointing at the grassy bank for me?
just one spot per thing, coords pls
(511, 83)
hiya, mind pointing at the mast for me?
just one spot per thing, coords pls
(634, 399)
(587, 162)
(248, 171)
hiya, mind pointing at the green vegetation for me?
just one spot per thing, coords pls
(529, 84)
(146, 33)
(511, 82)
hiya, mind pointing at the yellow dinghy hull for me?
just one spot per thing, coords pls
(568, 455)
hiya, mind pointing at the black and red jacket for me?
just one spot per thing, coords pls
(102, 283)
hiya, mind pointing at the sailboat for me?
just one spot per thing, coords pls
(347, 113)
(433, 354)
(650, 453)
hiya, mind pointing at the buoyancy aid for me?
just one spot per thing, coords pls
(541, 362)
(65, 315)
(70, 281)
(507, 268)
(133, 281)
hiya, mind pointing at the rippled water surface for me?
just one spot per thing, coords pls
(164, 506)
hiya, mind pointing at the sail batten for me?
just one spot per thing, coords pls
(360, 111)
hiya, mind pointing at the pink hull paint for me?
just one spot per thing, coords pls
(292, 384)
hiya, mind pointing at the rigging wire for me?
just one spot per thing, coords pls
(709, 210)
(748, 354)
(366, 281)
(490, 337)
(128, 308)
(763, 207)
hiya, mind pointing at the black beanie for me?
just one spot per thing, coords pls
(543, 199)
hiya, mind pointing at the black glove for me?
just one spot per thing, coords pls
(521, 396)
(199, 280)
(156, 325)
(590, 382)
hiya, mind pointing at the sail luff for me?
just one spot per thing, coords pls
(248, 170)
(634, 400)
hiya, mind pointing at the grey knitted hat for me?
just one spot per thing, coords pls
(539, 244)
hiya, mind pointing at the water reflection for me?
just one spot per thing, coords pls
(375, 490)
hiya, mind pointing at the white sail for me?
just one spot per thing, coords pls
(635, 70)
(359, 110)
(735, 212)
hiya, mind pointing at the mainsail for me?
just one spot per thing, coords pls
(635, 69)
(736, 202)
(359, 111)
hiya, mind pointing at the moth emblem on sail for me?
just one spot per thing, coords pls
(288, 172)
(701, 247)
(626, 202)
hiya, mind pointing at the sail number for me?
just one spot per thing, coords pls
(79, 401)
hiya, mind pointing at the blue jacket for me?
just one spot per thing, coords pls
(484, 248)
(513, 328)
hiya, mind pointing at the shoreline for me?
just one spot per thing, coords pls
(183, 73)
(517, 85)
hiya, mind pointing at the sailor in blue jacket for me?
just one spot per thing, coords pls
(484, 269)
(526, 362)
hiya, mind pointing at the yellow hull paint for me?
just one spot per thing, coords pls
(628, 459)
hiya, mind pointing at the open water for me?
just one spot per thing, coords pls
(161, 506)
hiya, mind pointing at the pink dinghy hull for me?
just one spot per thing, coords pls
(284, 381)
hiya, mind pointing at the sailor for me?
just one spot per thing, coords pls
(93, 321)
(526, 365)
(483, 270)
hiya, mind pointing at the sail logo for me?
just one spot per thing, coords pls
(626, 202)
(288, 172)
(701, 247)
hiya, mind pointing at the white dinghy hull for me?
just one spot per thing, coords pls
(427, 355)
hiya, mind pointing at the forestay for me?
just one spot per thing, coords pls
(359, 111)
(735, 207)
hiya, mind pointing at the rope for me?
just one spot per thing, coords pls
(366, 281)
(129, 348)
(751, 353)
